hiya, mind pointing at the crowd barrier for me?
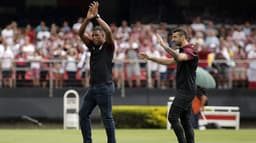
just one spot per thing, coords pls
(221, 116)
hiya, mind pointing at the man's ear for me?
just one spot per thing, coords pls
(103, 34)
(183, 37)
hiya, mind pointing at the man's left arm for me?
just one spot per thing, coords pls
(177, 56)
(104, 26)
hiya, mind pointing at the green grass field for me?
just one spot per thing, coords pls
(123, 136)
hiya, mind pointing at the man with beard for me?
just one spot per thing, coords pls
(186, 60)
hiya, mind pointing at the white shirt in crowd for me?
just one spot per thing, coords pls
(162, 68)
(6, 57)
(84, 62)
(124, 29)
(239, 36)
(198, 27)
(35, 61)
(249, 47)
(225, 53)
(252, 66)
(198, 39)
(16, 48)
(41, 34)
(8, 35)
(71, 63)
(252, 55)
(119, 57)
(29, 49)
(77, 26)
(1, 49)
(153, 66)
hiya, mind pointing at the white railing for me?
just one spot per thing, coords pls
(230, 80)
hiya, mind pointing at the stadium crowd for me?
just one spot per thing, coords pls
(30, 56)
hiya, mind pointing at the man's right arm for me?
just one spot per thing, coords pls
(163, 61)
(85, 38)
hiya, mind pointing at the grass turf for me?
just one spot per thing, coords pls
(123, 136)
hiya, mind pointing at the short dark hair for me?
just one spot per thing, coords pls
(181, 31)
(98, 28)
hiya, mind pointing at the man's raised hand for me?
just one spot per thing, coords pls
(144, 56)
(95, 7)
(93, 10)
(90, 14)
(160, 40)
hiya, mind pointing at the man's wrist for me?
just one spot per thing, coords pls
(97, 16)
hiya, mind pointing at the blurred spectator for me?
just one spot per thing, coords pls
(35, 65)
(198, 40)
(136, 30)
(211, 56)
(54, 30)
(65, 27)
(41, 26)
(189, 30)
(28, 48)
(163, 72)
(137, 27)
(17, 46)
(239, 36)
(171, 71)
(118, 68)
(197, 25)
(124, 27)
(222, 31)
(146, 38)
(153, 67)
(45, 45)
(203, 56)
(114, 30)
(222, 67)
(250, 46)
(58, 71)
(252, 36)
(29, 32)
(231, 45)
(8, 34)
(84, 65)
(43, 34)
(124, 31)
(247, 28)
(132, 66)
(71, 66)
(76, 26)
(6, 58)
(211, 38)
(14, 27)
(44, 68)
(21, 67)
(210, 27)
(240, 73)
(252, 68)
